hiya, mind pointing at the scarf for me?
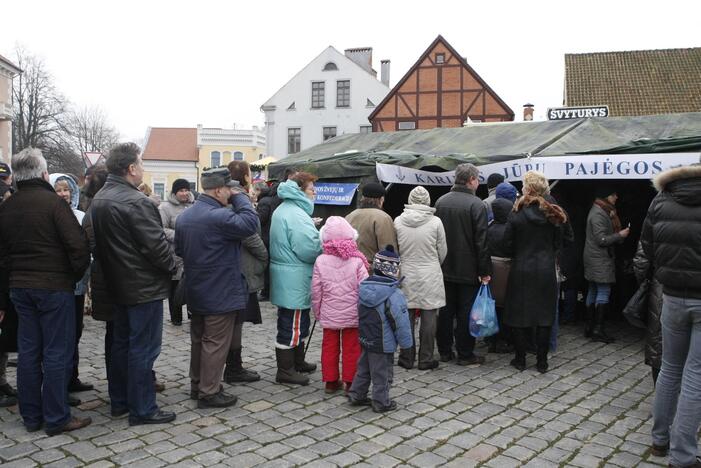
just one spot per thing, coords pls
(345, 249)
(553, 213)
(611, 211)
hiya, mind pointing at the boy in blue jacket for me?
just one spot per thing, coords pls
(383, 323)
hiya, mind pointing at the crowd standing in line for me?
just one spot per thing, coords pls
(226, 237)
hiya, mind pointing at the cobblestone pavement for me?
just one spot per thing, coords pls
(591, 409)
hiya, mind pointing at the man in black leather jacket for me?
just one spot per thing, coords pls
(137, 263)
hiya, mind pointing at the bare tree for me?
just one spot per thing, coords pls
(88, 130)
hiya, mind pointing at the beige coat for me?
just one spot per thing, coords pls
(422, 248)
(375, 230)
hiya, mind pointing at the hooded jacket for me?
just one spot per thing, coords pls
(501, 208)
(383, 316)
(422, 247)
(335, 280)
(294, 246)
(532, 242)
(208, 238)
(169, 210)
(81, 286)
(671, 234)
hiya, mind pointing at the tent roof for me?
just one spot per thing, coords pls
(355, 155)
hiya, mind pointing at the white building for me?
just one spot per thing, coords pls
(332, 95)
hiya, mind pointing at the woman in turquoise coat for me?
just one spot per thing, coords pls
(294, 245)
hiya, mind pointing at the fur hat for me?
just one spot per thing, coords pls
(179, 184)
(373, 190)
(337, 228)
(494, 179)
(386, 263)
(506, 190)
(419, 196)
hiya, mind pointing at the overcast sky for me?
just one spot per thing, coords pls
(176, 63)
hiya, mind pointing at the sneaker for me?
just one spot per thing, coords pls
(360, 401)
(72, 425)
(377, 408)
(472, 361)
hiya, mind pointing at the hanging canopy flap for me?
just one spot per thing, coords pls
(356, 155)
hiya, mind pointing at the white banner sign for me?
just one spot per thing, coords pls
(586, 166)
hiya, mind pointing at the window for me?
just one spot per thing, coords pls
(406, 126)
(318, 94)
(215, 159)
(260, 156)
(440, 58)
(343, 93)
(369, 103)
(292, 106)
(329, 132)
(366, 129)
(330, 66)
(294, 140)
(238, 156)
(159, 188)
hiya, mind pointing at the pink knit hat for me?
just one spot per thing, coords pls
(337, 228)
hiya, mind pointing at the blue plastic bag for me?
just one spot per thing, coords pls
(483, 316)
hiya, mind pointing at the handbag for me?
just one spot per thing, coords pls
(635, 310)
(483, 316)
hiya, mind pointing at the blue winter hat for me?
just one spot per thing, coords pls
(506, 190)
(386, 263)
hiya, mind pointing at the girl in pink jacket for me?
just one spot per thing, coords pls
(337, 275)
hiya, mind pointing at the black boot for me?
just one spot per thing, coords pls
(286, 372)
(589, 321)
(598, 333)
(234, 371)
(519, 361)
(407, 358)
(300, 364)
(542, 346)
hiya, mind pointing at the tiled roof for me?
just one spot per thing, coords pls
(171, 144)
(640, 82)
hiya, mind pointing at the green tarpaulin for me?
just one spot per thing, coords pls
(354, 156)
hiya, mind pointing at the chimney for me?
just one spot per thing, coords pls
(384, 72)
(362, 56)
(527, 112)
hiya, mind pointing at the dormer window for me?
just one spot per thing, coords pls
(440, 58)
(369, 103)
(330, 66)
(292, 106)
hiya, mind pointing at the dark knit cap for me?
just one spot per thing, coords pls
(386, 263)
(373, 190)
(494, 179)
(179, 184)
(604, 190)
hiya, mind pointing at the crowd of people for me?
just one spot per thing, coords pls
(366, 279)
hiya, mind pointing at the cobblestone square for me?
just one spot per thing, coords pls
(591, 409)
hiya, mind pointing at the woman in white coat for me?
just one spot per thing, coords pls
(422, 247)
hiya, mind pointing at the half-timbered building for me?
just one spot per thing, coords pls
(440, 90)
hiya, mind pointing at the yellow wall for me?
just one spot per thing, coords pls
(167, 179)
(250, 154)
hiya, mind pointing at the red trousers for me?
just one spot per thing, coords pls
(331, 345)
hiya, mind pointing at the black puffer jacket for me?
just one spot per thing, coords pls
(265, 207)
(501, 208)
(136, 259)
(671, 234)
(464, 218)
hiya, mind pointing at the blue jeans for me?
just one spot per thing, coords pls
(676, 417)
(136, 344)
(598, 293)
(46, 342)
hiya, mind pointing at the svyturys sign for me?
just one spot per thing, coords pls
(563, 113)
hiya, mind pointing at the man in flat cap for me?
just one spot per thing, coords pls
(208, 238)
(375, 227)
